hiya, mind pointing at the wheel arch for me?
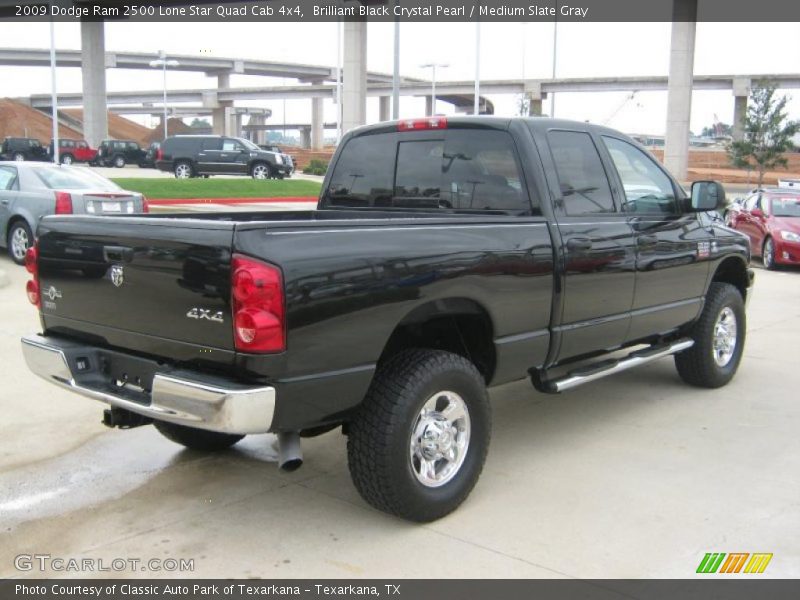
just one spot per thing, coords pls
(733, 270)
(13, 220)
(459, 325)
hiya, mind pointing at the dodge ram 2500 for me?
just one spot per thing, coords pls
(446, 255)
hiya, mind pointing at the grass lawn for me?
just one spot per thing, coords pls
(154, 188)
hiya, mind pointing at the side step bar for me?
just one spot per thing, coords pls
(607, 367)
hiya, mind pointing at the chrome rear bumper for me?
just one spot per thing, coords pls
(182, 397)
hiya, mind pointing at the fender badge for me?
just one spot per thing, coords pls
(117, 275)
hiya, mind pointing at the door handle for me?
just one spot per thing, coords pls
(647, 239)
(579, 244)
(4, 202)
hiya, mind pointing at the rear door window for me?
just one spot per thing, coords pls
(582, 179)
(458, 169)
(363, 172)
(8, 176)
(212, 144)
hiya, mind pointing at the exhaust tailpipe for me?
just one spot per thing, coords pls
(290, 453)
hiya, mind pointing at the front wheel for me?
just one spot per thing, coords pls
(719, 336)
(768, 255)
(418, 442)
(19, 240)
(260, 171)
(66, 159)
(196, 439)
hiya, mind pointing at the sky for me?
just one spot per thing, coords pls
(508, 51)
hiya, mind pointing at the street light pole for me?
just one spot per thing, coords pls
(396, 71)
(476, 105)
(433, 67)
(54, 95)
(555, 46)
(164, 63)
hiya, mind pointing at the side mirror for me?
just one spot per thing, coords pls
(707, 195)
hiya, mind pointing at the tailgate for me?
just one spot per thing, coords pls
(160, 286)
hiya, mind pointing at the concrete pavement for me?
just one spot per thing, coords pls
(633, 476)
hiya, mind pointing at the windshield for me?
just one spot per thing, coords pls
(786, 207)
(64, 178)
(248, 144)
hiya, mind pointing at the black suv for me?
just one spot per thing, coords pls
(198, 155)
(18, 148)
(118, 153)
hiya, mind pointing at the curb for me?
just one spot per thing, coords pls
(3, 278)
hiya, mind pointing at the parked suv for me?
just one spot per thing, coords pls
(19, 148)
(70, 151)
(118, 153)
(197, 155)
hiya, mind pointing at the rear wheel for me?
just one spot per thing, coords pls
(196, 439)
(67, 159)
(768, 254)
(19, 240)
(19, 156)
(183, 170)
(419, 440)
(119, 161)
(719, 336)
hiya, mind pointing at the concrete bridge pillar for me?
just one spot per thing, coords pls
(384, 108)
(679, 91)
(93, 75)
(219, 117)
(317, 124)
(741, 91)
(305, 137)
(428, 106)
(354, 75)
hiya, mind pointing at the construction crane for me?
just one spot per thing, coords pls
(622, 105)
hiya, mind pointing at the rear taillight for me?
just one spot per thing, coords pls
(422, 124)
(159, 154)
(63, 203)
(258, 306)
(145, 205)
(32, 266)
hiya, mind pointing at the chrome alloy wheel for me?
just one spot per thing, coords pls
(768, 253)
(724, 344)
(19, 243)
(260, 172)
(183, 171)
(439, 439)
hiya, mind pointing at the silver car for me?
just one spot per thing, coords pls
(30, 190)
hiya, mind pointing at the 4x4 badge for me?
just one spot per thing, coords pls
(117, 275)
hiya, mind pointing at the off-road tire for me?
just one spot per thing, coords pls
(697, 365)
(380, 433)
(196, 439)
(119, 162)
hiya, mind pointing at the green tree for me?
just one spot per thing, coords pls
(767, 133)
(200, 123)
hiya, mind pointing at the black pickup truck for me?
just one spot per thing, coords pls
(446, 255)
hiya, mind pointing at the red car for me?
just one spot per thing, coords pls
(72, 151)
(771, 219)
